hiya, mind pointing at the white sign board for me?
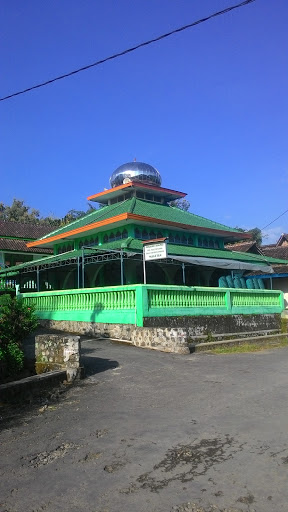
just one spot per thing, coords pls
(156, 251)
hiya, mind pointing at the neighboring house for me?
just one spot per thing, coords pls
(13, 239)
(279, 279)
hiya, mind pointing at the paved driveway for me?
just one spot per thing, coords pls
(148, 431)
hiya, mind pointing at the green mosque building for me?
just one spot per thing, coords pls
(97, 272)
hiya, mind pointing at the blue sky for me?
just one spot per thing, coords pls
(206, 107)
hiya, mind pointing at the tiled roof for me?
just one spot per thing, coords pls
(276, 252)
(283, 238)
(243, 246)
(144, 208)
(8, 244)
(22, 230)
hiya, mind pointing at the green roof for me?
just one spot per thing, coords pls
(173, 214)
(132, 244)
(144, 208)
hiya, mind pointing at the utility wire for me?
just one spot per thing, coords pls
(128, 50)
(274, 220)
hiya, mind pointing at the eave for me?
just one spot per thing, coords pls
(139, 219)
(112, 193)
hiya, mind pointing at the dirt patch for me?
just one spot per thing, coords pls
(115, 466)
(44, 458)
(193, 507)
(187, 462)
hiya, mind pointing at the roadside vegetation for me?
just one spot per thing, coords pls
(249, 347)
(16, 321)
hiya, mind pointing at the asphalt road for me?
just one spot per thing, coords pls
(148, 431)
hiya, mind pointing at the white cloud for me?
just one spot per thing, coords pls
(271, 235)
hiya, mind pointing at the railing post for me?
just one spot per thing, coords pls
(38, 280)
(141, 305)
(281, 300)
(228, 301)
(83, 268)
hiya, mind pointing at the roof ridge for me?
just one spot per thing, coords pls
(100, 212)
(206, 218)
(187, 217)
(132, 205)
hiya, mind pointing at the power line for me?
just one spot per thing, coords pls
(274, 220)
(128, 50)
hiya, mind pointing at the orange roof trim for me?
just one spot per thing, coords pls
(133, 184)
(132, 216)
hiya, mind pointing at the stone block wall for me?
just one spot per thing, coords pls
(218, 324)
(57, 352)
(171, 334)
(158, 338)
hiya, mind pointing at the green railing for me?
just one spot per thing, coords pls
(131, 304)
(7, 284)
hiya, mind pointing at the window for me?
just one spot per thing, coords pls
(125, 233)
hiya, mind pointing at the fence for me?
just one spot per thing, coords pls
(131, 304)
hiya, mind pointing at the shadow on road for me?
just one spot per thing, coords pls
(93, 365)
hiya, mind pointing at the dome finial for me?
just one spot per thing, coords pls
(136, 171)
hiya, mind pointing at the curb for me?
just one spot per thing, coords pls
(24, 389)
(198, 347)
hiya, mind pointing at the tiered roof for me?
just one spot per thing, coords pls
(140, 212)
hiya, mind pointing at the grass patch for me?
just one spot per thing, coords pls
(284, 324)
(249, 347)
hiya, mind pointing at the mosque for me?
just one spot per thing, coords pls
(104, 250)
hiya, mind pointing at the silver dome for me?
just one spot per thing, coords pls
(135, 171)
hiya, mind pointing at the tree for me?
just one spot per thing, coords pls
(256, 234)
(19, 212)
(182, 204)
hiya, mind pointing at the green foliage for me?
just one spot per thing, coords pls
(284, 325)
(20, 212)
(14, 357)
(256, 234)
(182, 204)
(16, 320)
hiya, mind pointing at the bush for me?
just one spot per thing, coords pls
(14, 357)
(17, 320)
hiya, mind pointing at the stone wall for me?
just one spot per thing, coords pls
(218, 324)
(170, 334)
(158, 338)
(58, 352)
